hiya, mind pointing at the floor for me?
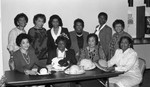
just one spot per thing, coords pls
(146, 79)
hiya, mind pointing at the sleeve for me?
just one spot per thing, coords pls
(69, 40)
(72, 57)
(83, 54)
(35, 59)
(101, 53)
(107, 41)
(114, 59)
(130, 63)
(50, 57)
(11, 41)
(31, 33)
(18, 64)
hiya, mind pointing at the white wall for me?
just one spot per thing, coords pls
(1, 58)
(68, 10)
(132, 10)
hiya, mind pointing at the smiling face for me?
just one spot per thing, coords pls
(79, 28)
(24, 44)
(39, 22)
(118, 28)
(124, 45)
(61, 45)
(55, 23)
(22, 22)
(91, 42)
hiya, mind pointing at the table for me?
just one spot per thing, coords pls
(15, 78)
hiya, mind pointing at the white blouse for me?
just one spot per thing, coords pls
(56, 35)
(12, 39)
(126, 61)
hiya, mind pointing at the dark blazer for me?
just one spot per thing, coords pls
(74, 43)
(70, 56)
(105, 38)
(20, 63)
(51, 43)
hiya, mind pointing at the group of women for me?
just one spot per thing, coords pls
(27, 50)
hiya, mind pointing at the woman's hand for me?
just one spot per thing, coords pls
(31, 72)
(110, 68)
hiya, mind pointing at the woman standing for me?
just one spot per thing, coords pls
(56, 29)
(118, 26)
(20, 22)
(125, 60)
(39, 36)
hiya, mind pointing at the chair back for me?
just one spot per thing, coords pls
(142, 65)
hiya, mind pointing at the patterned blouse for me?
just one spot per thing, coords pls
(94, 55)
(115, 40)
(39, 42)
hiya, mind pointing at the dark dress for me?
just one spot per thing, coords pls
(51, 43)
(39, 42)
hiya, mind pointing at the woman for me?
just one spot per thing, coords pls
(56, 29)
(25, 58)
(67, 56)
(125, 60)
(39, 36)
(94, 53)
(118, 26)
(20, 22)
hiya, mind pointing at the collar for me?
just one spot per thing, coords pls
(56, 35)
(63, 51)
(79, 35)
(99, 28)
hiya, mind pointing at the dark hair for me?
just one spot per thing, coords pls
(129, 40)
(39, 16)
(61, 38)
(103, 14)
(54, 17)
(78, 20)
(118, 21)
(92, 35)
(21, 15)
(22, 36)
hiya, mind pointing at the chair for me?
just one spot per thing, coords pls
(142, 66)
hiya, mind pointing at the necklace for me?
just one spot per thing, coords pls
(26, 59)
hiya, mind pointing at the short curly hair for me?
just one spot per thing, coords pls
(118, 21)
(92, 35)
(78, 20)
(22, 36)
(39, 16)
(54, 17)
(129, 40)
(103, 14)
(21, 15)
(61, 38)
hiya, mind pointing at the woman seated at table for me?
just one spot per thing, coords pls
(125, 60)
(93, 53)
(25, 58)
(67, 56)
